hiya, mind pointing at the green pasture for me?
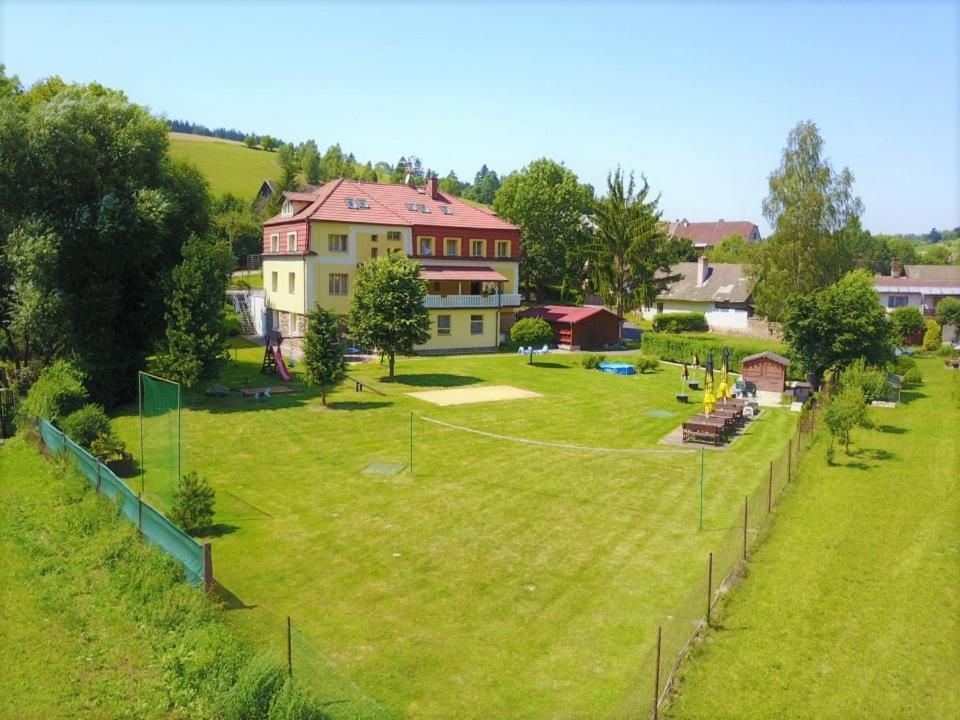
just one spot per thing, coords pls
(228, 167)
(852, 606)
(498, 579)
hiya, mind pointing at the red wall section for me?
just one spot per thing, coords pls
(466, 235)
(303, 234)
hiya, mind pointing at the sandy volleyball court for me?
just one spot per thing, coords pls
(465, 396)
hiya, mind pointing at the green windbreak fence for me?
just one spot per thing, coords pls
(154, 527)
(159, 435)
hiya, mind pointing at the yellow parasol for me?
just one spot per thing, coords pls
(709, 401)
(723, 389)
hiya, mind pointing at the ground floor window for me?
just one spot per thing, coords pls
(443, 324)
(338, 283)
(895, 301)
(476, 324)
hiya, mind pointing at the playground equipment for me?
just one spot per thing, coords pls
(273, 357)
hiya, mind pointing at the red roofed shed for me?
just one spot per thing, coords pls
(587, 328)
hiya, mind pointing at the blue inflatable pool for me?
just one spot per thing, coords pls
(617, 368)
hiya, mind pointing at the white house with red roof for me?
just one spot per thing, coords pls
(709, 234)
(470, 257)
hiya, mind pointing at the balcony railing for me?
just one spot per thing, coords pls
(441, 302)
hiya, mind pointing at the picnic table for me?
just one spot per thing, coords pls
(703, 428)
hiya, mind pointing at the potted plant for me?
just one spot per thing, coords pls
(112, 452)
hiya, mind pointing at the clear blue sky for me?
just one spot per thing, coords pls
(699, 97)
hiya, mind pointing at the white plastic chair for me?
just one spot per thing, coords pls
(522, 350)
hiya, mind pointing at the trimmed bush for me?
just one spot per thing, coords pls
(680, 349)
(646, 363)
(680, 322)
(590, 362)
(58, 392)
(871, 381)
(912, 377)
(948, 311)
(907, 322)
(87, 424)
(933, 337)
(193, 500)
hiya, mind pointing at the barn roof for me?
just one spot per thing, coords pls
(769, 355)
(566, 313)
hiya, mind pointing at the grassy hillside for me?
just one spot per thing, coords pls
(852, 607)
(229, 166)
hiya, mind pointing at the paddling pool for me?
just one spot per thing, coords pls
(617, 368)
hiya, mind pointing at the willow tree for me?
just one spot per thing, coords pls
(629, 254)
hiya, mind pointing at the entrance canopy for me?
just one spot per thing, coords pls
(458, 272)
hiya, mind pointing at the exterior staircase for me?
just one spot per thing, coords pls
(243, 311)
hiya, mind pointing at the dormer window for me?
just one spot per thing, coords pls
(287, 208)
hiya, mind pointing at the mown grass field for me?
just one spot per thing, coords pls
(499, 579)
(852, 606)
(228, 166)
(68, 650)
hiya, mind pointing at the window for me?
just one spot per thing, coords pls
(338, 283)
(363, 204)
(443, 324)
(476, 324)
(412, 207)
(477, 248)
(423, 208)
(275, 243)
(292, 241)
(351, 203)
(374, 238)
(337, 243)
(393, 235)
(503, 248)
(273, 281)
(895, 301)
(451, 246)
(374, 252)
(446, 210)
(426, 245)
(291, 283)
(287, 208)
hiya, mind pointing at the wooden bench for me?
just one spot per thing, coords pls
(702, 431)
(360, 386)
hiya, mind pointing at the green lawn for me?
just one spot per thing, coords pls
(852, 606)
(250, 278)
(500, 578)
(68, 650)
(228, 167)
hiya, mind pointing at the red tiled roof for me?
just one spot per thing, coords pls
(387, 206)
(711, 233)
(458, 272)
(564, 313)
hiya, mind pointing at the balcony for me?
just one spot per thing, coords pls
(493, 300)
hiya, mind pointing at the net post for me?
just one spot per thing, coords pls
(207, 567)
(411, 444)
(289, 649)
(701, 488)
(179, 437)
(140, 514)
(656, 678)
(746, 500)
(140, 405)
(770, 489)
(99, 464)
(789, 459)
(709, 586)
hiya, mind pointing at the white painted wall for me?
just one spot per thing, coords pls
(913, 300)
(256, 301)
(716, 318)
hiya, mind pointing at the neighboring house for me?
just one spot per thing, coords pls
(919, 286)
(579, 328)
(722, 292)
(269, 187)
(709, 234)
(470, 257)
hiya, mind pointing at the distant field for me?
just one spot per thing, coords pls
(228, 166)
(851, 609)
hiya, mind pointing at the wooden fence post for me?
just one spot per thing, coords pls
(789, 460)
(770, 489)
(289, 649)
(656, 679)
(709, 586)
(207, 567)
(746, 500)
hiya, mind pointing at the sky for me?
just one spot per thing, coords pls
(697, 97)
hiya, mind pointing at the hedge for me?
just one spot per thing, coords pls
(681, 349)
(680, 322)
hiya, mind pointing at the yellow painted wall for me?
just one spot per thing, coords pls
(460, 336)
(282, 299)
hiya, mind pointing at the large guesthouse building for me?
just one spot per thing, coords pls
(469, 257)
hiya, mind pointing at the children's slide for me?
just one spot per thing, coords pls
(281, 365)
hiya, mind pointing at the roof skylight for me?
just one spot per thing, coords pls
(446, 210)
(351, 203)
(412, 207)
(423, 208)
(363, 204)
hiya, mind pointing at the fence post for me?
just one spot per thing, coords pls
(207, 567)
(656, 679)
(745, 501)
(98, 477)
(790, 460)
(140, 514)
(709, 586)
(289, 649)
(770, 489)
(411, 444)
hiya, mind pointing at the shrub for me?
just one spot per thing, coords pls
(531, 332)
(57, 392)
(292, 703)
(945, 351)
(258, 683)
(948, 311)
(193, 501)
(108, 447)
(680, 322)
(646, 363)
(845, 411)
(85, 425)
(590, 362)
(907, 322)
(932, 338)
(680, 349)
(906, 367)
(871, 381)
(912, 377)
(232, 327)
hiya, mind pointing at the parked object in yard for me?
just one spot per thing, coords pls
(617, 368)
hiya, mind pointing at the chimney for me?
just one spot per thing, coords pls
(703, 269)
(896, 268)
(433, 188)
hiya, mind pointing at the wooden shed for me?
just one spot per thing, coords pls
(585, 328)
(766, 370)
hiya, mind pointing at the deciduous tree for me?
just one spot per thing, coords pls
(323, 351)
(531, 332)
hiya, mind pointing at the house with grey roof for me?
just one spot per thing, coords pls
(919, 286)
(721, 291)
